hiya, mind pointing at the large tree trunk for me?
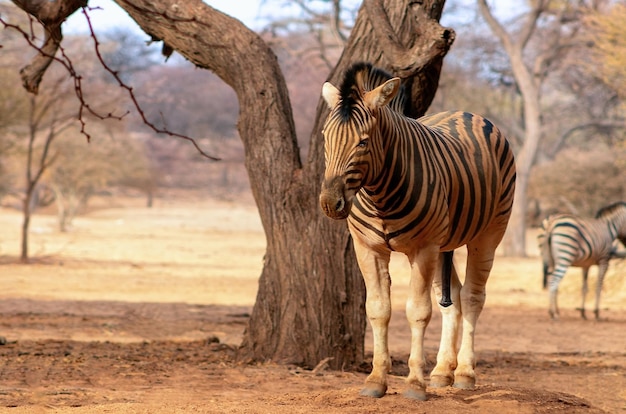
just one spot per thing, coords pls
(328, 318)
(310, 297)
(310, 301)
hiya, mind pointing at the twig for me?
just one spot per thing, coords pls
(67, 64)
(322, 365)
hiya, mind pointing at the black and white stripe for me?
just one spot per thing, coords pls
(424, 188)
(568, 240)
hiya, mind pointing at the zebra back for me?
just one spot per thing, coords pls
(615, 215)
(444, 178)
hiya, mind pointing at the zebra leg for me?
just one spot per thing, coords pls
(602, 268)
(443, 373)
(480, 256)
(554, 280)
(375, 269)
(418, 312)
(584, 292)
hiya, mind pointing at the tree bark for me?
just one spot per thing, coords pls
(310, 296)
(310, 301)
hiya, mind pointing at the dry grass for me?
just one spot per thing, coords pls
(211, 252)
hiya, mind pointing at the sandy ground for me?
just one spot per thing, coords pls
(139, 310)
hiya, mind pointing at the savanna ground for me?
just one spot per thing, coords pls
(139, 310)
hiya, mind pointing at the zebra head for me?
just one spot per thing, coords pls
(351, 140)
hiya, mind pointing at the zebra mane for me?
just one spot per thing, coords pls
(610, 209)
(363, 77)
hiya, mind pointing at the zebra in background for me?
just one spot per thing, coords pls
(424, 188)
(568, 240)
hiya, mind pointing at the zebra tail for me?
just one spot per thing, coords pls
(446, 276)
(546, 256)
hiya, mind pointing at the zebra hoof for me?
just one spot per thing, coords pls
(373, 390)
(440, 381)
(415, 394)
(464, 382)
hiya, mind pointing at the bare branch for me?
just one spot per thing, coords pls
(495, 25)
(531, 22)
(336, 21)
(133, 98)
(47, 54)
(588, 125)
(408, 61)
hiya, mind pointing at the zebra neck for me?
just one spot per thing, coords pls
(403, 172)
(616, 224)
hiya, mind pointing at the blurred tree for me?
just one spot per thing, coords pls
(327, 25)
(13, 113)
(14, 102)
(548, 32)
(608, 46)
(37, 138)
(570, 184)
(171, 98)
(80, 170)
(135, 168)
(126, 53)
(48, 118)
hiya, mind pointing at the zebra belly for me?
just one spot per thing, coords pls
(384, 235)
(410, 233)
(585, 261)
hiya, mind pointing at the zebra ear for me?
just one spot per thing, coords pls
(383, 94)
(330, 94)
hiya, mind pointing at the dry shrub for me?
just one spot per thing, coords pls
(578, 181)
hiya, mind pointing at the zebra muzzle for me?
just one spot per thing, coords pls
(333, 202)
(334, 208)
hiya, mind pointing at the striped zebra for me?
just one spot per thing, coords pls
(568, 240)
(424, 188)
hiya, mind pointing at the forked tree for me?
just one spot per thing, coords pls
(310, 301)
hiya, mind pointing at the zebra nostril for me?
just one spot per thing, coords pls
(340, 204)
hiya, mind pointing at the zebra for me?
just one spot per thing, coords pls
(422, 187)
(569, 240)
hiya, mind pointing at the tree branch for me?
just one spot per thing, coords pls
(531, 22)
(51, 15)
(495, 25)
(336, 21)
(409, 61)
(599, 125)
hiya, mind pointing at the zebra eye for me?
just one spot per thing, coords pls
(362, 143)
